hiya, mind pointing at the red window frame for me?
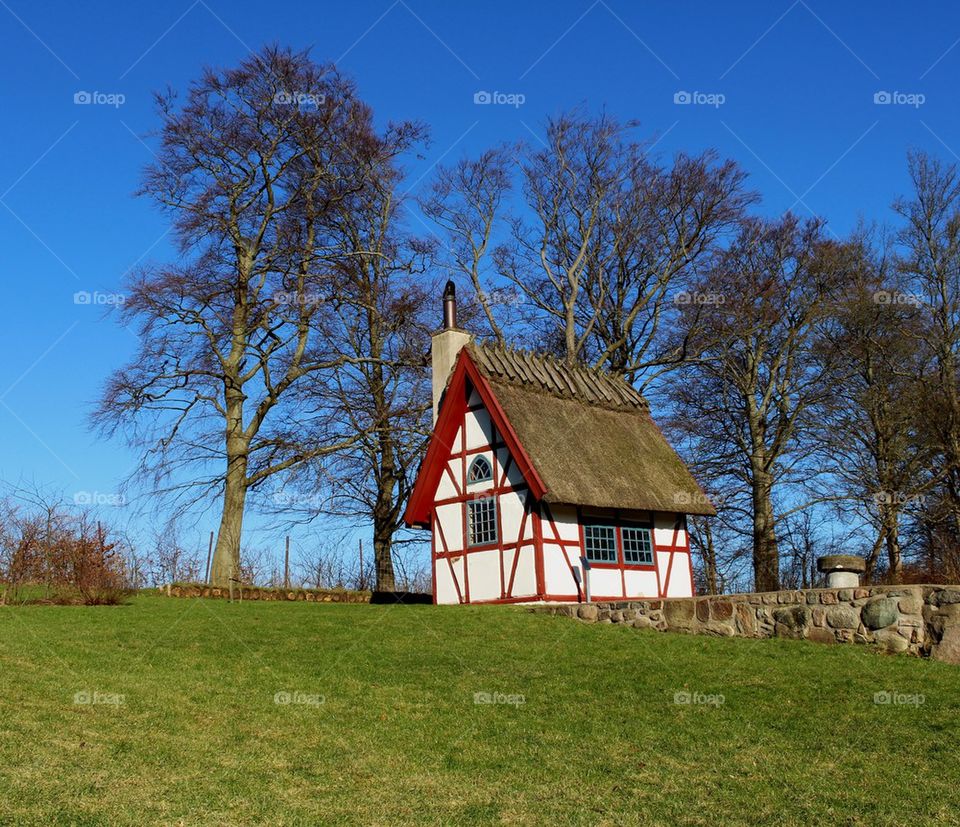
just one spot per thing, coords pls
(618, 524)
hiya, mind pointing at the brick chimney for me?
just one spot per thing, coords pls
(445, 345)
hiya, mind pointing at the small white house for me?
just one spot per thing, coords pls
(543, 482)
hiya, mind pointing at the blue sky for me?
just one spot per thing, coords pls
(787, 89)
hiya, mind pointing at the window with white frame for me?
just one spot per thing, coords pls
(482, 521)
(600, 543)
(637, 546)
(480, 470)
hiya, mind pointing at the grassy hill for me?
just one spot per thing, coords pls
(178, 721)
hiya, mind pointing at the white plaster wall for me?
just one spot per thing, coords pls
(663, 529)
(514, 473)
(456, 468)
(565, 519)
(605, 583)
(478, 428)
(446, 488)
(641, 583)
(511, 516)
(679, 585)
(446, 589)
(484, 567)
(450, 516)
(484, 575)
(508, 555)
(556, 573)
(663, 560)
(525, 577)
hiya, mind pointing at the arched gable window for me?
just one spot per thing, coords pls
(480, 470)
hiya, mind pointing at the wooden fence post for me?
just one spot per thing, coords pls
(206, 577)
(286, 565)
(362, 580)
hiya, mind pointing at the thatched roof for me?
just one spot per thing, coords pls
(554, 377)
(588, 434)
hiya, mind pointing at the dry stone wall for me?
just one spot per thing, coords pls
(920, 620)
(258, 593)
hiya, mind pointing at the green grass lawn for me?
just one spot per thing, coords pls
(386, 730)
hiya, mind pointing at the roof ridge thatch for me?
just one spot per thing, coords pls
(547, 372)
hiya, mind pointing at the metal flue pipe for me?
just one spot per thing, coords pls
(450, 306)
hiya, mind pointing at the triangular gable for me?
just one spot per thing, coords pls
(449, 420)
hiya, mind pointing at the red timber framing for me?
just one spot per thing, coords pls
(679, 525)
(447, 452)
(441, 448)
(573, 549)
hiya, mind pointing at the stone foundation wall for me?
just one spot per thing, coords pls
(920, 620)
(257, 593)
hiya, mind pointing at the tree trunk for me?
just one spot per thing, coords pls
(710, 560)
(383, 559)
(570, 333)
(806, 567)
(766, 553)
(384, 519)
(892, 531)
(226, 554)
(384, 460)
(953, 502)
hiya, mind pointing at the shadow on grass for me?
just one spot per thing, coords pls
(407, 598)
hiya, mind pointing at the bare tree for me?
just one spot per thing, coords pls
(468, 202)
(382, 388)
(758, 380)
(555, 241)
(386, 405)
(930, 262)
(663, 226)
(722, 554)
(875, 457)
(805, 537)
(253, 170)
(589, 235)
(172, 561)
(330, 561)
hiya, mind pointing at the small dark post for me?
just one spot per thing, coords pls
(450, 306)
(362, 580)
(206, 578)
(286, 565)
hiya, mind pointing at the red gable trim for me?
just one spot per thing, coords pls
(441, 441)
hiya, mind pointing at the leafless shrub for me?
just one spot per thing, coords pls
(173, 561)
(49, 552)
